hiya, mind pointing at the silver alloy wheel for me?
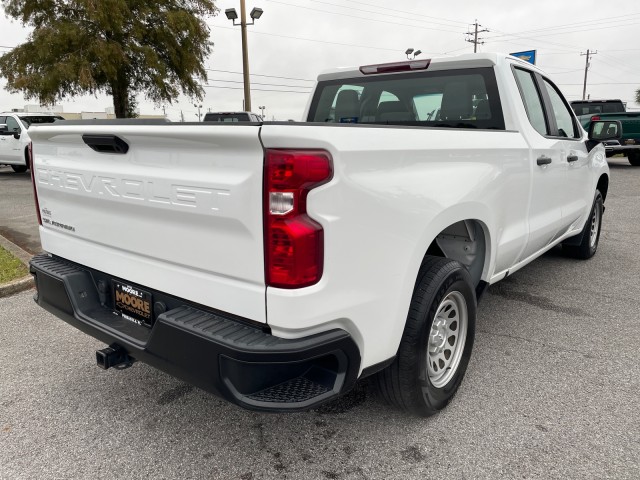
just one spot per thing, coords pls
(595, 226)
(447, 339)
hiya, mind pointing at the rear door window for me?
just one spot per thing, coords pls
(532, 100)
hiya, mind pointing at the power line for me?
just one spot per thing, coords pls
(258, 83)
(537, 36)
(386, 14)
(317, 41)
(255, 89)
(618, 63)
(586, 23)
(240, 73)
(414, 14)
(614, 64)
(359, 18)
(535, 39)
(259, 75)
(562, 72)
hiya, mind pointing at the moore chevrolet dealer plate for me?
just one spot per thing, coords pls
(133, 304)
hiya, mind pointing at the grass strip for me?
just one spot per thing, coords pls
(10, 267)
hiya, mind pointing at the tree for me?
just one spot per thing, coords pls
(120, 47)
(638, 96)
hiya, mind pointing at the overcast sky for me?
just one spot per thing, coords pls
(296, 39)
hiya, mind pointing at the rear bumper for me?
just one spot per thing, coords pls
(225, 355)
(613, 147)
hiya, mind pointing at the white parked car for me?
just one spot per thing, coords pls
(14, 137)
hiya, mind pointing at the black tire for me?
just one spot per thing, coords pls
(19, 168)
(634, 159)
(407, 383)
(590, 233)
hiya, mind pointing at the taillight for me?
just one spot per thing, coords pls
(595, 118)
(33, 180)
(293, 241)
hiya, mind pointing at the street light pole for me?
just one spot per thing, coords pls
(232, 15)
(245, 57)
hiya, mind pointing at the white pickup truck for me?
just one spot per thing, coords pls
(275, 264)
(14, 136)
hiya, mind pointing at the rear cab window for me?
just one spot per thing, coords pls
(29, 120)
(227, 117)
(463, 98)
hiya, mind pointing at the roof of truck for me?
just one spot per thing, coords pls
(469, 60)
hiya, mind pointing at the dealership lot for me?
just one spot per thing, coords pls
(551, 390)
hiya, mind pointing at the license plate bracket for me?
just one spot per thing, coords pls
(133, 303)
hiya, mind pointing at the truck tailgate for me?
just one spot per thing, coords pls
(180, 212)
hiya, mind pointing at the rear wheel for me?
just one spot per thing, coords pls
(634, 159)
(436, 344)
(590, 233)
(19, 168)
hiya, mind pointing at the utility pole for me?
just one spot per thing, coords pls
(586, 69)
(475, 40)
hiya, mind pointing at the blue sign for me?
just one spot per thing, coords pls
(528, 56)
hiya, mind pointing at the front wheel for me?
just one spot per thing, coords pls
(436, 344)
(590, 233)
(634, 159)
(19, 168)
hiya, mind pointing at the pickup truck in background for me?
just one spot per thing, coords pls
(629, 143)
(274, 264)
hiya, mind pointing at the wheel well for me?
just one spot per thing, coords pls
(465, 242)
(603, 186)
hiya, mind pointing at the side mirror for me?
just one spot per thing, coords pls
(601, 130)
(16, 135)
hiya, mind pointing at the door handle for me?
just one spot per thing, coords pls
(543, 160)
(572, 158)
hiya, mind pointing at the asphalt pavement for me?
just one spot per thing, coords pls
(18, 218)
(551, 392)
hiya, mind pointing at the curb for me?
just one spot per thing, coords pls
(21, 284)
